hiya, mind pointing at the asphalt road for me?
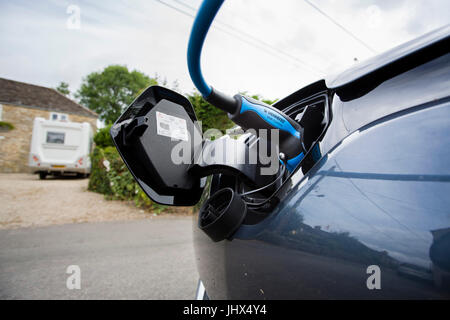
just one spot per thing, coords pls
(142, 259)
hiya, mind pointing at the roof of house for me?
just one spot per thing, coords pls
(30, 95)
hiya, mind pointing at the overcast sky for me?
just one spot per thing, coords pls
(261, 46)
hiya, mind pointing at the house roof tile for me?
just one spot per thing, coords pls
(30, 95)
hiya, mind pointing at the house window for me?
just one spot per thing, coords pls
(59, 116)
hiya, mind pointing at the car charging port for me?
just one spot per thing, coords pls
(222, 214)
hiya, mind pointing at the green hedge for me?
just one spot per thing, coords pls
(111, 177)
(102, 138)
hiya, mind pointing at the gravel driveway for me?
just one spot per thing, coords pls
(26, 201)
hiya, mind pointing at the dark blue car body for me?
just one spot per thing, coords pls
(377, 193)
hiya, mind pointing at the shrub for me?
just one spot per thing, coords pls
(98, 180)
(111, 177)
(102, 138)
(6, 126)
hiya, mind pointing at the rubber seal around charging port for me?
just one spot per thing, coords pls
(222, 214)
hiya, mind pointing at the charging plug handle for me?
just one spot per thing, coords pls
(253, 114)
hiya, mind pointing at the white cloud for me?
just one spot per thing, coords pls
(148, 36)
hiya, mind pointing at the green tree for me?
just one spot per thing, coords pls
(63, 88)
(110, 91)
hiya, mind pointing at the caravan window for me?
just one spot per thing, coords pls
(55, 137)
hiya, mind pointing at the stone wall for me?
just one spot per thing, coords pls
(15, 144)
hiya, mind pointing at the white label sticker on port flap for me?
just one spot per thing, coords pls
(171, 126)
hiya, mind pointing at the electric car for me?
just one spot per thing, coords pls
(357, 205)
(367, 213)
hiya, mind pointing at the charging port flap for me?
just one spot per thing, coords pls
(157, 137)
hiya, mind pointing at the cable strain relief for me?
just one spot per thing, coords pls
(222, 101)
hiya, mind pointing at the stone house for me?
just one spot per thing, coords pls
(20, 103)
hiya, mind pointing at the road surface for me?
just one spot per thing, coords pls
(139, 259)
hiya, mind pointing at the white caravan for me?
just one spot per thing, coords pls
(59, 147)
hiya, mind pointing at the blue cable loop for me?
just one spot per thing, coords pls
(202, 22)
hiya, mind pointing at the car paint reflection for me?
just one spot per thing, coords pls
(368, 205)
